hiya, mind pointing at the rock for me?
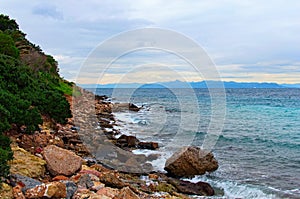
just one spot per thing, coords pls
(186, 187)
(148, 145)
(118, 107)
(59, 178)
(49, 190)
(108, 192)
(85, 181)
(93, 172)
(6, 191)
(127, 141)
(191, 161)
(153, 176)
(133, 107)
(127, 193)
(61, 161)
(71, 189)
(100, 168)
(26, 164)
(26, 182)
(36, 192)
(163, 187)
(56, 190)
(38, 140)
(85, 193)
(97, 186)
(17, 192)
(112, 180)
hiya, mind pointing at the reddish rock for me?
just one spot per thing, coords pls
(59, 178)
(94, 172)
(153, 176)
(61, 161)
(36, 192)
(127, 193)
(107, 191)
(191, 161)
(100, 168)
(49, 190)
(56, 190)
(112, 180)
(97, 186)
(75, 178)
(17, 192)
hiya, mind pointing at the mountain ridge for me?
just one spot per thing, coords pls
(200, 84)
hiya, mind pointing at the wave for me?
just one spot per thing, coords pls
(232, 189)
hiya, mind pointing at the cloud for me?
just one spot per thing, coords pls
(256, 39)
(47, 10)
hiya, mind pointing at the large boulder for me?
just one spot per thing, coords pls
(26, 164)
(61, 161)
(191, 161)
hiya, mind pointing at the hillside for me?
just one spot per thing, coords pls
(30, 87)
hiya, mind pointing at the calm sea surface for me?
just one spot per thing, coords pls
(259, 146)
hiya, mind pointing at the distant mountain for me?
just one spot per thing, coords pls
(202, 84)
(291, 85)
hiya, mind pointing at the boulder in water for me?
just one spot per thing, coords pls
(191, 161)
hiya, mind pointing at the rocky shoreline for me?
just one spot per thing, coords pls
(60, 162)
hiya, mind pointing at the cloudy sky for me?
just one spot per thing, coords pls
(247, 40)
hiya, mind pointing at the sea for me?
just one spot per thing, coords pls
(257, 146)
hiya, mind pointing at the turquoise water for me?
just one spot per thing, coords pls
(258, 150)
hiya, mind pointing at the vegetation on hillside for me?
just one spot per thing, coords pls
(30, 87)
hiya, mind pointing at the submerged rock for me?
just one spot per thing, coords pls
(26, 164)
(191, 161)
(61, 161)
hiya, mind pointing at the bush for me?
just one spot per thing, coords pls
(29, 87)
(5, 155)
(7, 24)
(8, 46)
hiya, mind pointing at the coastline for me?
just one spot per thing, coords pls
(104, 180)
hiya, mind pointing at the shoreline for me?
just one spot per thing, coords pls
(108, 182)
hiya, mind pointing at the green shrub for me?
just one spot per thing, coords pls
(7, 46)
(7, 24)
(30, 86)
(5, 155)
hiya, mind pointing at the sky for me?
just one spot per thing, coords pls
(248, 41)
